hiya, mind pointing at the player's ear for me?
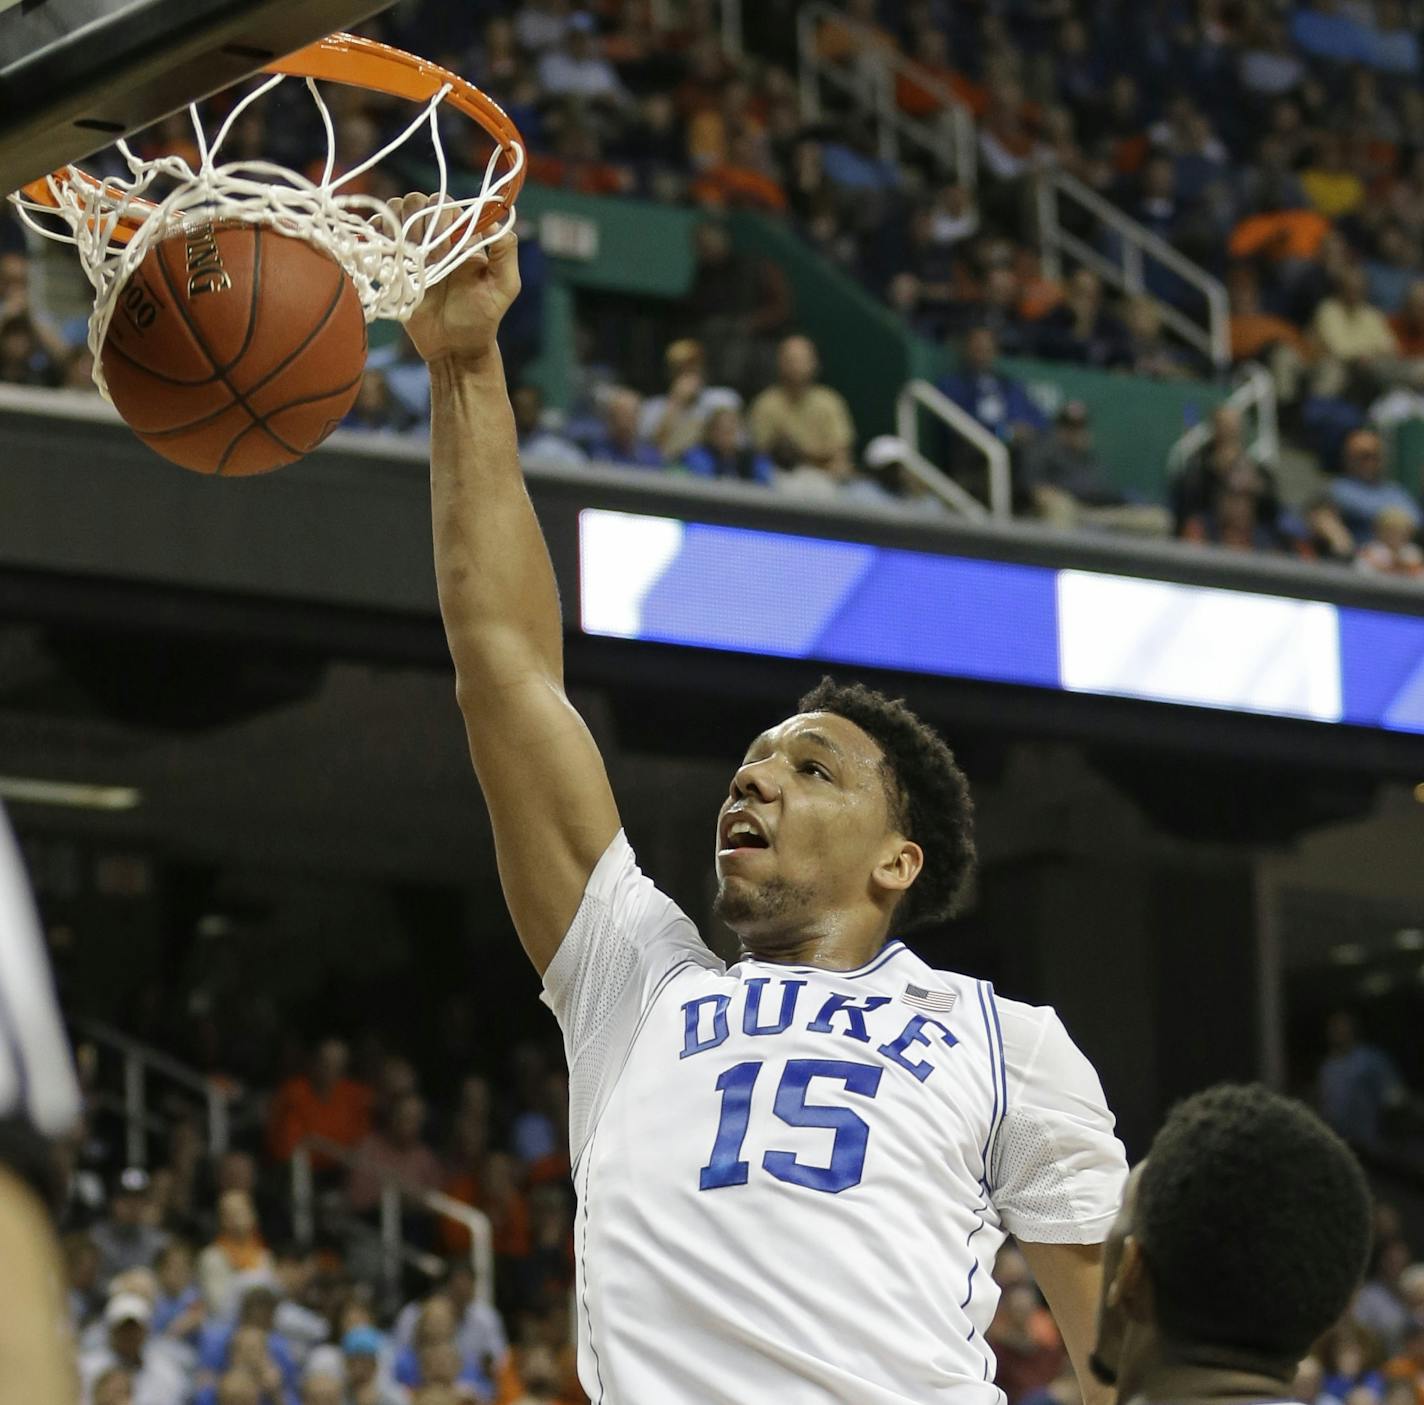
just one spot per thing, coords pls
(1131, 1288)
(900, 865)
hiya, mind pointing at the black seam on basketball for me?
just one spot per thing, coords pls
(112, 348)
(238, 397)
(271, 375)
(253, 428)
(260, 422)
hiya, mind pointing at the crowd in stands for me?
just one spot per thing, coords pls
(1278, 144)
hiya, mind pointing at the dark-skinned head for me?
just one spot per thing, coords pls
(867, 819)
(1241, 1238)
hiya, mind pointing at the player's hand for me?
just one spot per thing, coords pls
(459, 317)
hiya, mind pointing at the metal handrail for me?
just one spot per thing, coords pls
(394, 1190)
(1256, 391)
(1213, 339)
(917, 395)
(140, 1060)
(873, 85)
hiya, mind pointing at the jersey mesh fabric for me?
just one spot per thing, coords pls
(1024, 1159)
(601, 1015)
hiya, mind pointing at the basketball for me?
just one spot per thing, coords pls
(234, 349)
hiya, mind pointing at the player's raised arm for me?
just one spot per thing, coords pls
(543, 779)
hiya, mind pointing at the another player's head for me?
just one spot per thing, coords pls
(861, 824)
(1240, 1240)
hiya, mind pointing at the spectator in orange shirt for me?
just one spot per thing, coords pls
(861, 33)
(324, 1103)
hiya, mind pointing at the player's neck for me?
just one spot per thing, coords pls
(1171, 1375)
(837, 947)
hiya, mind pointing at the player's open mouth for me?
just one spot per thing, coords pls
(740, 833)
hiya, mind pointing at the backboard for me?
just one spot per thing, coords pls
(77, 74)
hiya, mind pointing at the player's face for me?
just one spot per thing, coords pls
(804, 828)
(1122, 1274)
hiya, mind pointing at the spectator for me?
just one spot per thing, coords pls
(1068, 485)
(886, 461)
(1379, 1306)
(1224, 455)
(1350, 1361)
(1356, 339)
(675, 421)
(434, 1355)
(237, 1250)
(1026, 1342)
(997, 401)
(153, 1367)
(366, 1382)
(577, 70)
(240, 1388)
(479, 1331)
(326, 1102)
(1392, 550)
(376, 408)
(1148, 352)
(323, 1390)
(541, 447)
(250, 1353)
(737, 305)
(399, 1151)
(1358, 1083)
(1361, 491)
(620, 443)
(725, 453)
(1234, 519)
(179, 1310)
(1080, 328)
(127, 1238)
(798, 421)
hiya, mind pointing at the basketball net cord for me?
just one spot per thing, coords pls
(391, 261)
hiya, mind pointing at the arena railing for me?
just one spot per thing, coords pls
(921, 395)
(141, 1063)
(870, 82)
(1255, 397)
(395, 1193)
(1140, 248)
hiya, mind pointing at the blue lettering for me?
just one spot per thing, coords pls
(914, 1033)
(855, 1015)
(751, 1016)
(692, 1013)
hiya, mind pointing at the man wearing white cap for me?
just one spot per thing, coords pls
(154, 1368)
(39, 1099)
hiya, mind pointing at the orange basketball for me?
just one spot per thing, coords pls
(234, 349)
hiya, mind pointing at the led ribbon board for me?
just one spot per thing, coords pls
(667, 581)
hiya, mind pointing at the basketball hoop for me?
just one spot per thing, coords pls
(390, 261)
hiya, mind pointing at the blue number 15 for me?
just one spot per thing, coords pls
(847, 1163)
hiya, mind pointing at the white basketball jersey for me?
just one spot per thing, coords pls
(36, 1072)
(793, 1182)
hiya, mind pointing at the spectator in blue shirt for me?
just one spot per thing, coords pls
(997, 401)
(620, 442)
(179, 1310)
(725, 451)
(1357, 1083)
(1362, 492)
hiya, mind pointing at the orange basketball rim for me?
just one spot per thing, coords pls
(355, 62)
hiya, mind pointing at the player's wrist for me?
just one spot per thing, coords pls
(453, 367)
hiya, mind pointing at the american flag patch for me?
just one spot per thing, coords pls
(939, 1002)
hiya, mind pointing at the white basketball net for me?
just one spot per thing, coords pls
(391, 261)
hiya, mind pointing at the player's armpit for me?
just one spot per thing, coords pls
(36, 1353)
(1070, 1278)
(549, 800)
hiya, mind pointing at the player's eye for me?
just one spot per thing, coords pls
(816, 769)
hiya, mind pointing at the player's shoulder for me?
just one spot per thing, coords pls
(1022, 1029)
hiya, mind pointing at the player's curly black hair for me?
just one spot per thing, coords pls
(929, 795)
(1254, 1220)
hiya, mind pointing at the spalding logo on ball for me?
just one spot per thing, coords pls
(234, 349)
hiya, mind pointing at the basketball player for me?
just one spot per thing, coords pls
(39, 1099)
(1242, 1238)
(794, 1173)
